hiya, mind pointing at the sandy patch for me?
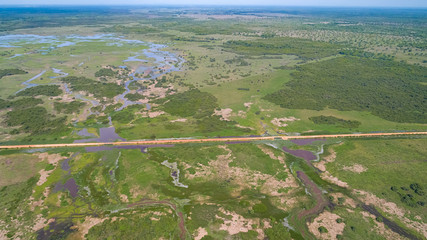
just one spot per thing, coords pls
(124, 198)
(156, 92)
(224, 113)
(40, 222)
(281, 122)
(321, 165)
(388, 207)
(380, 228)
(3, 234)
(43, 176)
(393, 209)
(356, 168)
(247, 105)
(200, 233)
(329, 221)
(347, 202)
(236, 224)
(240, 126)
(328, 177)
(179, 120)
(51, 158)
(155, 114)
(241, 114)
(88, 224)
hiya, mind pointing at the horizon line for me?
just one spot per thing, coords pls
(208, 5)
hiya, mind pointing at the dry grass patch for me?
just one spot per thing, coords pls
(327, 220)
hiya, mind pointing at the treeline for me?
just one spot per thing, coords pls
(31, 118)
(97, 88)
(9, 72)
(359, 53)
(201, 106)
(46, 90)
(105, 72)
(140, 29)
(134, 97)
(388, 89)
(331, 120)
(20, 103)
(192, 103)
(414, 196)
(303, 48)
(68, 108)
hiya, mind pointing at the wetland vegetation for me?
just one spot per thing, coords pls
(72, 74)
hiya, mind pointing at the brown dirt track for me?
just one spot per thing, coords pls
(234, 139)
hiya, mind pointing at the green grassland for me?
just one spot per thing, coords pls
(385, 161)
(295, 71)
(109, 181)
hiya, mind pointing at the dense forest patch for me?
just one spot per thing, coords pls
(303, 48)
(191, 103)
(8, 72)
(97, 88)
(139, 29)
(46, 90)
(34, 120)
(68, 108)
(20, 103)
(388, 89)
(105, 72)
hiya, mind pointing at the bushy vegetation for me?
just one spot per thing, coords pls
(125, 116)
(8, 72)
(277, 231)
(134, 96)
(68, 108)
(20, 103)
(414, 196)
(140, 29)
(388, 89)
(303, 48)
(46, 90)
(191, 103)
(134, 227)
(98, 89)
(34, 120)
(331, 120)
(105, 72)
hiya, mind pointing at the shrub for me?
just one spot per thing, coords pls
(46, 90)
(322, 229)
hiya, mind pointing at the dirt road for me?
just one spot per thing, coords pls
(232, 139)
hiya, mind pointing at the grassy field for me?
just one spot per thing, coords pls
(294, 71)
(384, 162)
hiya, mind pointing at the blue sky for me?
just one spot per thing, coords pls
(368, 3)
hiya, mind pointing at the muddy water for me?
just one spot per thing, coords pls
(303, 142)
(141, 147)
(28, 83)
(392, 225)
(60, 72)
(164, 60)
(317, 194)
(70, 184)
(174, 173)
(306, 155)
(85, 133)
(106, 135)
